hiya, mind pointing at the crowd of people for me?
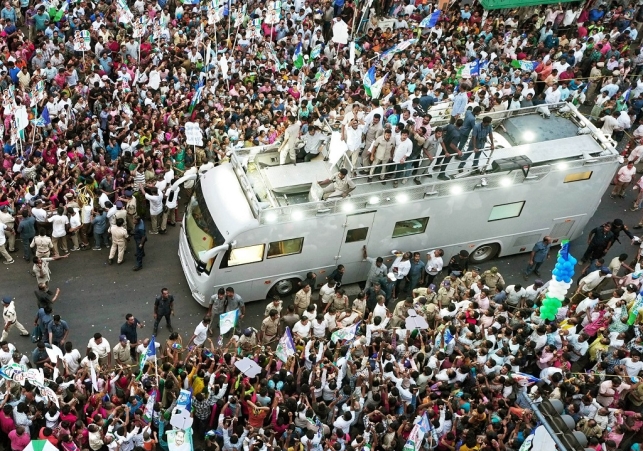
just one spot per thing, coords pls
(96, 98)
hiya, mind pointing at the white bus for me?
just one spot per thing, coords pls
(261, 227)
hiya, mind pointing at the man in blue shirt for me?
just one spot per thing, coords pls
(538, 255)
(100, 224)
(27, 231)
(477, 142)
(13, 72)
(129, 329)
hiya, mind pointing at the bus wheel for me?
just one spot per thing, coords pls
(284, 287)
(484, 253)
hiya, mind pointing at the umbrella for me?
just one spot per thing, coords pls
(413, 321)
(248, 367)
(40, 445)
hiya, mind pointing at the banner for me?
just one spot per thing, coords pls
(347, 333)
(179, 440)
(286, 346)
(184, 401)
(82, 41)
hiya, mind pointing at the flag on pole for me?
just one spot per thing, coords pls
(149, 407)
(369, 80)
(626, 95)
(298, 57)
(197, 96)
(524, 65)
(431, 20)
(346, 333)
(228, 320)
(376, 88)
(43, 120)
(285, 347)
(149, 353)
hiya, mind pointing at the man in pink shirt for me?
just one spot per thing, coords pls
(19, 439)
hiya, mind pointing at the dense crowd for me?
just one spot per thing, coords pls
(96, 98)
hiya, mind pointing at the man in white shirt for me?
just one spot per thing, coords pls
(515, 294)
(400, 268)
(59, 233)
(156, 207)
(200, 333)
(302, 328)
(633, 364)
(552, 94)
(434, 264)
(353, 136)
(99, 346)
(401, 153)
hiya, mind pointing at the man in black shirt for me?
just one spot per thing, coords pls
(129, 329)
(599, 242)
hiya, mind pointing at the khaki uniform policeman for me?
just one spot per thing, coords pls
(339, 185)
(492, 278)
(130, 209)
(269, 328)
(119, 234)
(380, 152)
(9, 233)
(43, 245)
(10, 319)
(470, 278)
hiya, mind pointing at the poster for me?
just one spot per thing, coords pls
(179, 440)
(82, 41)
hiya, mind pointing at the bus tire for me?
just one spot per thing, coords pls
(484, 253)
(284, 288)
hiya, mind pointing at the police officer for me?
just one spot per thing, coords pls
(9, 221)
(217, 307)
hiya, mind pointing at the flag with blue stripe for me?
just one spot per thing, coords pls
(524, 379)
(431, 20)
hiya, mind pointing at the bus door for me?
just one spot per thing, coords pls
(357, 232)
(564, 228)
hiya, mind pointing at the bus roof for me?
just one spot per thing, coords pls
(275, 193)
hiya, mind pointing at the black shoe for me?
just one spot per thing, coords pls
(417, 181)
(173, 224)
(110, 261)
(137, 268)
(537, 273)
(370, 179)
(384, 183)
(638, 226)
(162, 232)
(171, 329)
(156, 332)
(444, 177)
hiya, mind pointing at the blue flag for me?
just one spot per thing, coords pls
(431, 20)
(43, 120)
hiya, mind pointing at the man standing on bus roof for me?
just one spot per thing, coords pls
(339, 185)
(539, 254)
(377, 270)
(479, 135)
(287, 148)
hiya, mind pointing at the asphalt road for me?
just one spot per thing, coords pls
(95, 296)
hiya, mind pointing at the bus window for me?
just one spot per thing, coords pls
(410, 227)
(578, 176)
(285, 247)
(201, 231)
(506, 211)
(243, 256)
(354, 235)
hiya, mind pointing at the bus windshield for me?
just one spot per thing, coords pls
(201, 231)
